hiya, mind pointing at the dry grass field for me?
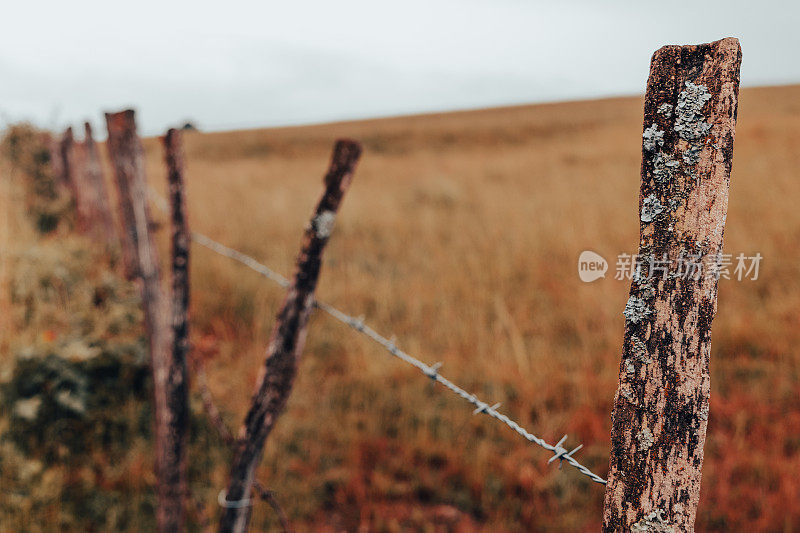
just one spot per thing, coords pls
(460, 235)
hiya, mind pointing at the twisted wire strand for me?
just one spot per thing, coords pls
(431, 371)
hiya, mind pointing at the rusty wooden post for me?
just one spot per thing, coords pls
(178, 378)
(127, 155)
(661, 407)
(101, 221)
(286, 343)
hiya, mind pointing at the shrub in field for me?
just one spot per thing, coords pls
(27, 149)
(76, 428)
(74, 392)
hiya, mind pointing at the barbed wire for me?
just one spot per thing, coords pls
(431, 371)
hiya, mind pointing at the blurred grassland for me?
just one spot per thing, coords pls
(460, 235)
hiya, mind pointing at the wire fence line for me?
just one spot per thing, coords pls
(431, 371)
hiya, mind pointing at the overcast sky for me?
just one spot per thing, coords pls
(235, 64)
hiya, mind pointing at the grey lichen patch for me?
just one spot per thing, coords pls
(627, 393)
(652, 138)
(636, 310)
(645, 438)
(689, 121)
(651, 207)
(639, 350)
(665, 110)
(640, 274)
(636, 354)
(691, 156)
(704, 412)
(653, 523)
(647, 292)
(663, 167)
(322, 224)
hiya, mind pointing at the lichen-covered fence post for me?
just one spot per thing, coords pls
(661, 407)
(127, 156)
(286, 343)
(101, 220)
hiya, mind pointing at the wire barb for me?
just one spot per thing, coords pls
(483, 407)
(561, 453)
(222, 499)
(432, 371)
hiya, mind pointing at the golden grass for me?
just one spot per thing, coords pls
(461, 235)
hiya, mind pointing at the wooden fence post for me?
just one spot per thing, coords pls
(661, 406)
(72, 167)
(68, 163)
(127, 156)
(286, 343)
(56, 162)
(177, 374)
(101, 221)
(64, 146)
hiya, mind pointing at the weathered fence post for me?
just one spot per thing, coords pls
(127, 159)
(177, 378)
(101, 221)
(71, 166)
(661, 407)
(56, 163)
(286, 343)
(68, 176)
(127, 156)
(64, 155)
